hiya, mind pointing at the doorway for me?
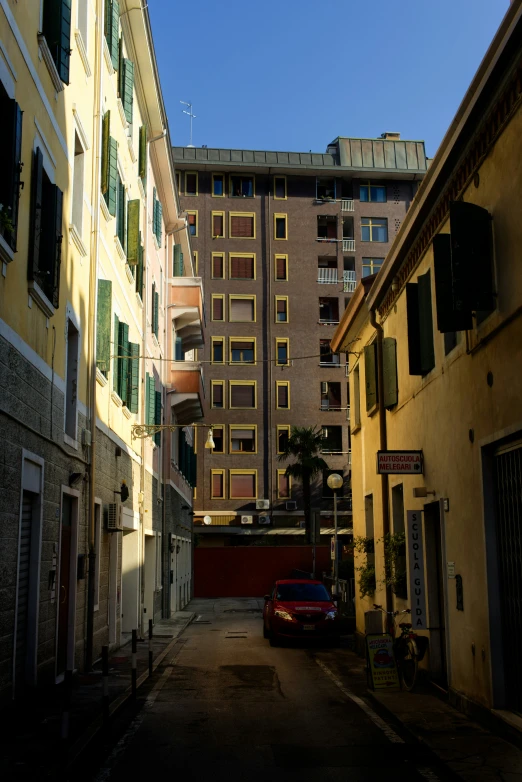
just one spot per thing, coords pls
(435, 593)
(149, 577)
(67, 583)
(130, 582)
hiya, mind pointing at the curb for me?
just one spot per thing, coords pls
(96, 725)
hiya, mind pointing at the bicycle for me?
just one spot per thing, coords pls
(408, 647)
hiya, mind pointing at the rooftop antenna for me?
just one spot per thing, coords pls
(191, 115)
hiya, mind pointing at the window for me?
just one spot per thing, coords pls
(420, 325)
(112, 30)
(242, 351)
(281, 309)
(280, 188)
(218, 350)
(241, 186)
(195, 260)
(332, 439)
(56, 27)
(370, 375)
(243, 484)
(218, 225)
(192, 220)
(218, 435)
(121, 210)
(178, 181)
(10, 166)
(191, 183)
(242, 309)
(126, 370)
(327, 270)
(325, 188)
(242, 267)
(242, 225)
(125, 83)
(371, 266)
(327, 227)
(77, 189)
(133, 238)
(282, 394)
(103, 327)
(243, 394)
(218, 266)
(326, 355)
(389, 372)
(282, 435)
(280, 226)
(374, 229)
(282, 352)
(82, 20)
(369, 192)
(217, 484)
(217, 390)
(45, 251)
(218, 306)
(327, 492)
(242, 439)
(330, 396)
(157, 218)
(71, 380)
(356, 398)
(328, 309)
(155, 311)
(218, 185)
(284, 483)
(281, 267)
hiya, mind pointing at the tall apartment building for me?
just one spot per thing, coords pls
(280, 240)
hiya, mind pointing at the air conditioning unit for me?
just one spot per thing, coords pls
(263, 520)
(291, 505)
(247, 519)
(114, 517)
(262, 504)
(324, 387)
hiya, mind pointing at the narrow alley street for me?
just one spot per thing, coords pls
(226, 705)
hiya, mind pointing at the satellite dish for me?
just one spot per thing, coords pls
(207, 520)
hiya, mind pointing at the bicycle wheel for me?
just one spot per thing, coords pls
(408, 664)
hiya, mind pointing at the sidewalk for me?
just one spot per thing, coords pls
(31, 744)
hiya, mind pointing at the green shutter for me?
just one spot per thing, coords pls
(56, 27)
(151, 399)
(177, 264)
(112, 29)
(142, 155)
(120, 218)
(471, 257)
(111, 194)
(106, 131)
(156, 314)
(159, 212)
(56, 259)
(389, 372)
(426, 323)
(157, 415)
(370, 374)
(11, 166)
(133, 231)
(448, 318)
(33, 270)
(115, 354)
(139, 269)
(412, 313)
(134, 377)
(127, 88)
(123, 361)
(103, 326)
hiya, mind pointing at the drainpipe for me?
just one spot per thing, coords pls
(383, 438)
(93, 294)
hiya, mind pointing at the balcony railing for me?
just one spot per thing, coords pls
(329, 406)
(349, 281)
(327, 275)
(347, 205)
(348, 245)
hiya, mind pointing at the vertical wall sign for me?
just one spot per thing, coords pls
(416, 560)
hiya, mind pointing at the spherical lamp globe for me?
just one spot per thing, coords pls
(334, 481)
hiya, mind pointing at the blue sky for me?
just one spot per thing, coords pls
(294, 74)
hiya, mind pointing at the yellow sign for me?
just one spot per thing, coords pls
(381, 662)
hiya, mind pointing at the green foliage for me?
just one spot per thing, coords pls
(367, 581)
(395, 562)
(6, 224)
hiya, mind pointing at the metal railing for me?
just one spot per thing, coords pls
(327, 275)
(348, 245)
(347, 205)
(349, 281)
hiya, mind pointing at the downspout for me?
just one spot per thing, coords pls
(93, 295)
(383, 438)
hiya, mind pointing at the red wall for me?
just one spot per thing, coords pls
(250, 571)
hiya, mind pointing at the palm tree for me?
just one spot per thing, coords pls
(304, 443)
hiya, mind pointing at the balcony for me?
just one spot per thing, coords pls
(348, 245)
(186, 309)
(186, 391)
(347, 205)
(327, 276)
(349, 281)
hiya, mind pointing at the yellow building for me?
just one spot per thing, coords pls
(435, 353)
(89, 223)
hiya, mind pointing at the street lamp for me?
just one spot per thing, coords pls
(210, 441)
(335, 481)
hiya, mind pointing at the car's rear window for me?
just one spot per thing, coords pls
(302, 592)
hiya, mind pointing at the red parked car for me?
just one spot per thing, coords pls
(299, 608)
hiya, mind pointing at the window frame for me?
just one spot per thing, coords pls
(249, 296)
(195, 213)
(276, 197)
(289, 478)
(222, 428)
(370, 266)
(371, 225)
(178, 181)
(213, 341)
(224, 479)
(224, 216)
(241, 214)
(280, 383)
(278, 216)
(285, 256)
(232, 383)
(285, 341)
(214, 297)
(223, 194)
(286, 299)
(281, 428)
(213, 384)
(252, 176)
(332, 426)
(231, 427)
(242, 472)
(241, 255)
(223, 256)
(370, 200)
(242, 363)
(190, 173)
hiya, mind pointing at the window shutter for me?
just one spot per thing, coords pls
(36, 217)
(281, 269)
(217, 309)
(142, 154)
(389, 371)
(139, 271)
(177, 261)
(152, 310)
(112, 29)
(242, 485)
(217, 225)
(111, 194)
(105, 153)
(179, 354)
(217, 395)
(242, 226)
(448, 319)
(471, 257)
(281, 309)
(159, 213)
(242, 268)
(127, 87)
(151, 400)
(217, 266)
(425, 323)
(412, 311)
(242, 310)
(123, 361)
(134, 377)
(57, 30)
(103, 326)
(217, 484)
(120, 223)
(115, 362)
(282, 396)
(156, 314)
(370, 373)
(157, 416)
(11, 167)
(56, 259)
(133, 231)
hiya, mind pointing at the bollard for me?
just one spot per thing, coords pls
(150, 647)
(105, 683)
(134, 670)
(67, 698)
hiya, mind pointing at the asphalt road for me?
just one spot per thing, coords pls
(224, 705)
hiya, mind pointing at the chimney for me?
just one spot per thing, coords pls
(391, 135)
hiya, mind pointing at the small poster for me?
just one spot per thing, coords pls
(381, 662)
